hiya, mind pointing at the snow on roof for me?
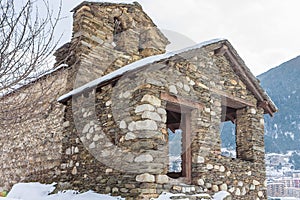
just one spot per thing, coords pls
(133, 66)
(47, 72)
(31, 78)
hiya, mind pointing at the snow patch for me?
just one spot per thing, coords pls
(220, 195)
(290, 134)
(167, 196)
(38, 191)
(228, 152)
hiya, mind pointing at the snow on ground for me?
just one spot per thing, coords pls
(38, 191)
(167, 196)
(220, 195)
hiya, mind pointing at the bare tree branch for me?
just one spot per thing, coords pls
(27, 43)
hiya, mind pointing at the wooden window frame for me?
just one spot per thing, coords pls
(185, 125)
(230, 106)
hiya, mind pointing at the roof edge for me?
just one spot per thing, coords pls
(227, 50)
(105, 3)
(246, 75)
(33, 79)
(133, 66)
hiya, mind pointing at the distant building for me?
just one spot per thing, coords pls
(276, 189)
(283, 198)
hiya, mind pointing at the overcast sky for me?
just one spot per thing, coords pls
(265, 33)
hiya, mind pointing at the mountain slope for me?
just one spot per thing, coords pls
(282, 83)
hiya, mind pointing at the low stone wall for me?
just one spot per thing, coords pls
(31, 132)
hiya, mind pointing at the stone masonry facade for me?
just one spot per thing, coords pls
(121, 144)
(113, 137)
(31, 131)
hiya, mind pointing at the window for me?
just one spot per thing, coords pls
(179, 129)
(178, 125)
(235, 109)
(118, 28)
(228, 132)
(175, 150)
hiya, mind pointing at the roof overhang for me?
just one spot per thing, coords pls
(219, 46)
(130, 68)
(244, 73)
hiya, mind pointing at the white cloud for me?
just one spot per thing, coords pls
(265, 33)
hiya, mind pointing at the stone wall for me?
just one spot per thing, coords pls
(31, 131)
(105, 37)
(109, 36)
(117, 142)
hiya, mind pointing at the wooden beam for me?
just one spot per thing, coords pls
(242, 74)
(232, 101)
(221, 51)
(227, 100)
(187, 154)
(182, 102)
(265, 105)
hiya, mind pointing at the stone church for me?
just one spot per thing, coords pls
(118, 114)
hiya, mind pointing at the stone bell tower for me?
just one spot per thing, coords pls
(107, 36)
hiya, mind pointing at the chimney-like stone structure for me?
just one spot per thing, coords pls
(107, 36)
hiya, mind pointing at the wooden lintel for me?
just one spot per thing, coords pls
(232, 101)
(263, 104)
(181, 101)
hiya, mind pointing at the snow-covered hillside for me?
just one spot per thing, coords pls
(282, 84)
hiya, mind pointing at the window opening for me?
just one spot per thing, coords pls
(179, 141)
(117, 33)
(228, 132)
(117, 26)
(175, 150)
